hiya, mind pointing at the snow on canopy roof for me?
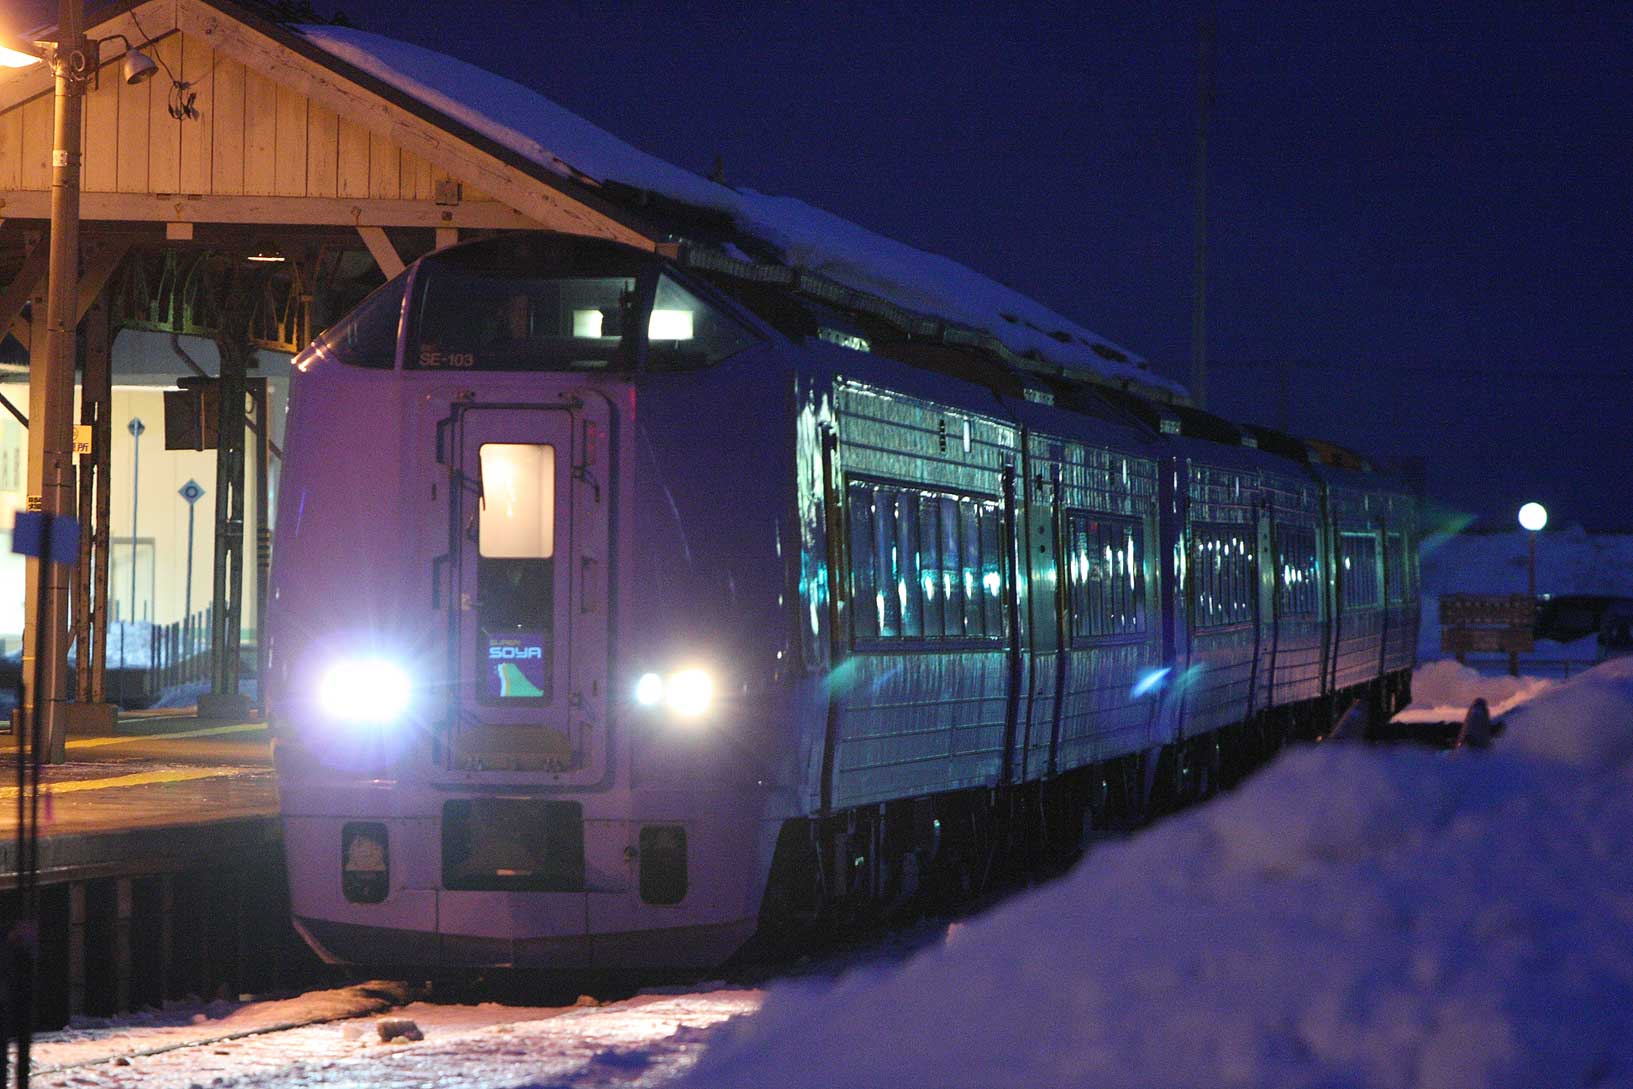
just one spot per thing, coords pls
(544, 133)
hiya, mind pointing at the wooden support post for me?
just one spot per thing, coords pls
(23, 286)
(263, 535)
(223, 699)
(91, 714)
(98, 269)
(447, 236)
(385, 254)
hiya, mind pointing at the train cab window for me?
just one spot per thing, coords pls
(925, 566)
(1358, 570)
(1298, 575)
(1224, 591)
(685, 333)
(1105, 565)
(490, 318)
(515, 576)
(367, 337)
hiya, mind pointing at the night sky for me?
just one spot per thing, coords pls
(1421, 217)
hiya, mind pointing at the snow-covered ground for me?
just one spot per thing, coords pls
(1350, 917)
(333, 1038)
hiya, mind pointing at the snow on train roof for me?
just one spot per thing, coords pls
(541, 131)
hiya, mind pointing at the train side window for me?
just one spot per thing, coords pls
(367, 337)
(1358, 570)
(867, 609)
(685, 333)
(1298, 579)
(924, 566)
(1223, 589)
(1395, 567)
(1105, 565)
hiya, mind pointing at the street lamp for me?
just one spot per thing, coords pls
(15, 53)
(16, 58)
(1533, 516)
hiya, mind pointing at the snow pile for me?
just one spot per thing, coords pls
(1587, 722)
(536, 128)
(1442, 691)
(1350, 917)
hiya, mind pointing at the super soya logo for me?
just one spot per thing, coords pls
(516, 667)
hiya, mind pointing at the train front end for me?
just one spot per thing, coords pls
(498, 727)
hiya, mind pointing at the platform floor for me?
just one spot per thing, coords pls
(144, 798)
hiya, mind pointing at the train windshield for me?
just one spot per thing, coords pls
(559, 305)
(496, 319)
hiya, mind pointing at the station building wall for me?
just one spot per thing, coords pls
(144, 366)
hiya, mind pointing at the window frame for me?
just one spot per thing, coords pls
(1397, 571)
(989, 610)
(1312, 587)
(1373, 579)
(1240, 583)
(325, 349)
(1141, 632)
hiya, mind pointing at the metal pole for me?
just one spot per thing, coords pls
(99, 361)
(1532, 568)
(187, 595)
(1199, 300)
(135, 428)
(51, 389)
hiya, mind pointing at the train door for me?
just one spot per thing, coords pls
(528, 619)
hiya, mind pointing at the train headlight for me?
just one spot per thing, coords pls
(649, 690)
(689, 693)
(369, 691)
(686, 693)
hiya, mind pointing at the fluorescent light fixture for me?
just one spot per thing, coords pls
(587, 323)
(670, 325)
(266, 255)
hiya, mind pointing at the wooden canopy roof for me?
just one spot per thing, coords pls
(280, 135)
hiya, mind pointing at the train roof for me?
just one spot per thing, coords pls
(760, 230)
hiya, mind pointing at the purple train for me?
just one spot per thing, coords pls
(627, 606)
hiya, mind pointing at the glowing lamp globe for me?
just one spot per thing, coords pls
(1533, 516)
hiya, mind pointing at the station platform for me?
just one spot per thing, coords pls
(163, 793)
